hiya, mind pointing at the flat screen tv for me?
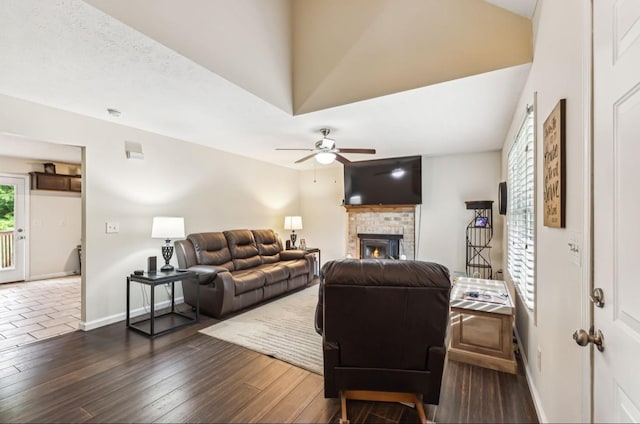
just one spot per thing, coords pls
(394, 181)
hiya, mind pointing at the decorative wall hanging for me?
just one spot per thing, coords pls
(554, 150)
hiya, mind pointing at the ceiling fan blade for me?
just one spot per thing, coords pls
(305, 158)
(342, 159)
(305, 150)
(368, 151)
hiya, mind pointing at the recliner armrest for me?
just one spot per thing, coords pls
(288, 255)
(319, 321)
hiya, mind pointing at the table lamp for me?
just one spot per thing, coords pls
(293, 223)
(167, 227)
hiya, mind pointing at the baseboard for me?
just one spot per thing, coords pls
(92, 325)
(52, 275)
(542, 417)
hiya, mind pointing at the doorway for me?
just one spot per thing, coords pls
(13, 238)
(46, 300)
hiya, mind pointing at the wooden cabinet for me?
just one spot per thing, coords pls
(482, 325)
(58, 182)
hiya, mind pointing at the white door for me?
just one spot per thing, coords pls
(617, 208)
(12, 229)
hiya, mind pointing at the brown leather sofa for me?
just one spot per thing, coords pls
(384, 325)
(239, 268)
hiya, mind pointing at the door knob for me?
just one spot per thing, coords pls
(597, 297)
(583, 338)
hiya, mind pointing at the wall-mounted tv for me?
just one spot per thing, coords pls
(393, 181)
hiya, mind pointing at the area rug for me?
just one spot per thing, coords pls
(283, 329)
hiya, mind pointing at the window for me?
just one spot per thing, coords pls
(520, 211)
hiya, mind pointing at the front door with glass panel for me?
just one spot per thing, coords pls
(12, 229)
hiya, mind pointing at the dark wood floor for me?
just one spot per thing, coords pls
(114, 375)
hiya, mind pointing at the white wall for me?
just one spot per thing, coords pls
(213, 190)
(560, 69)
(447, 182)
(325, 219)
(55, 227)
(55, 232)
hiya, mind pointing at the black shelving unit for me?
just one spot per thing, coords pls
(479, 234)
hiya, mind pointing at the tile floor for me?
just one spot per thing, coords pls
(36, 310)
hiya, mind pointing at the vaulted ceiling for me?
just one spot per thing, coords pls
(403, 76)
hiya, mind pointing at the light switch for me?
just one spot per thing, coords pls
(574, 249)
(113, 227)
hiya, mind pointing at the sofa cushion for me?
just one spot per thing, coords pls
(242, 245)
(212, 249)
(296, 267)
(268, 244)
(274, 273)
(247, 280)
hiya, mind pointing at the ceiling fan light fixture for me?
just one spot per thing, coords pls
(325, 151)
(325, 158)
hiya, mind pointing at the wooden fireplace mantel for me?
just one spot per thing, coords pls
(380, 208)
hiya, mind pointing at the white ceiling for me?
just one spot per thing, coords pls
(70, 55)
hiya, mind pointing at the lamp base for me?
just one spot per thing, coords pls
(167, 253)
(293, 237)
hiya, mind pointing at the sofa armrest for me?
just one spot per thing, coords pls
(207, 273)
(185, 253)
(224, 284)
(288, 255)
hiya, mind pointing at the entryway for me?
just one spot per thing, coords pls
(40, 294)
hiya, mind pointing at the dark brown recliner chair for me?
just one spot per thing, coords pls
(384, 325)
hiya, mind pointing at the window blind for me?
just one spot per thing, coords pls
(520, 211)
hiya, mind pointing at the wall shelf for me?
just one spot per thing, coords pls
(56, 182)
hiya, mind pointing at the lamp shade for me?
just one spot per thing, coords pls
(293, 223)
(325, 158)
(167, 227)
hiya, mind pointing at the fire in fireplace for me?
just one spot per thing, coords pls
(381, 246)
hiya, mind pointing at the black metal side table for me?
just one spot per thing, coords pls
(172, 319)
(318, 267)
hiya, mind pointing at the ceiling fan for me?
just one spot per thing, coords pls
(326, 152)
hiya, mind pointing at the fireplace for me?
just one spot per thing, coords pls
(381, 222)
(380, 246)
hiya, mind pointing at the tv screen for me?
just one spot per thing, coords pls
(394, 181)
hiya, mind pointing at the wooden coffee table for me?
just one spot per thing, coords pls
(482, 325)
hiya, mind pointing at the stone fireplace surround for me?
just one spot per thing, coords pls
(381, 219)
